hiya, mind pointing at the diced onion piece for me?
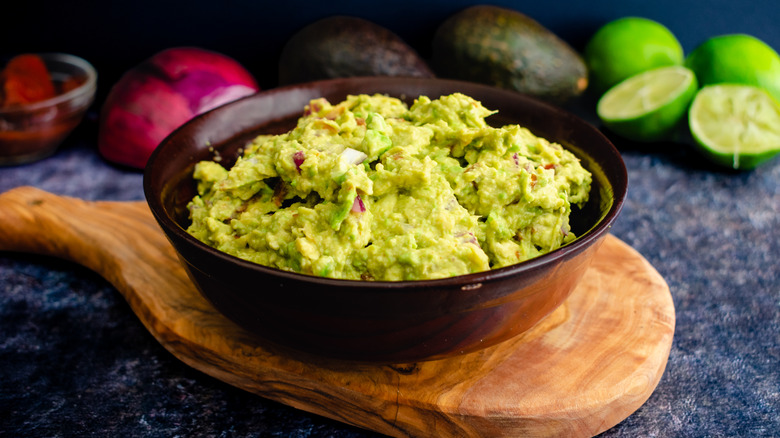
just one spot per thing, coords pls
(353, 156)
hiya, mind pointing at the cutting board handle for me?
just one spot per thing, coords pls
(39, 222)
(94, 234)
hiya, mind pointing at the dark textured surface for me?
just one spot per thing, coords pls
(75, 361)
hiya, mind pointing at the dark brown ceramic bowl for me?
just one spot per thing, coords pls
(388, 322)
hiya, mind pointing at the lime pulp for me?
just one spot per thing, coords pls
(735, 125)
(650, 105)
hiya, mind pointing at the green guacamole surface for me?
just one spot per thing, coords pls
(372, 189)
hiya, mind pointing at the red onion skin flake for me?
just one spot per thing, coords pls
(357, 205)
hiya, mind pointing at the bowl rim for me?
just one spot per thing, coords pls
(89, 86)
(619, 188)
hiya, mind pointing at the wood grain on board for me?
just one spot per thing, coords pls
(583, 369)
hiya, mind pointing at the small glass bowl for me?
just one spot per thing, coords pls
(34, 131)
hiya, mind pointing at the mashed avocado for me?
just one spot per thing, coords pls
(370, 189)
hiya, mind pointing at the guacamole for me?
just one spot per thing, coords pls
(370, 189)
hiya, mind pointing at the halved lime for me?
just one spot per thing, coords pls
(650, 105)
(735, 125)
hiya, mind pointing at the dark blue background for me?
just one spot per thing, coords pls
(117, 35)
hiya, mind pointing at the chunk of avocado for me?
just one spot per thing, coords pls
(507, 49)
(344, 46)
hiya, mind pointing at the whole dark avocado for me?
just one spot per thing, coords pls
(344, 46)
(507, 49)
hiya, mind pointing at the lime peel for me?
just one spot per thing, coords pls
(736, 59)
(628, 46)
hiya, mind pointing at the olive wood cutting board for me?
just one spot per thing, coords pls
(583, 369)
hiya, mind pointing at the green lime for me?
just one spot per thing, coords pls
(738, 59)
(627, 46)
(650, 105)
(735, 125)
